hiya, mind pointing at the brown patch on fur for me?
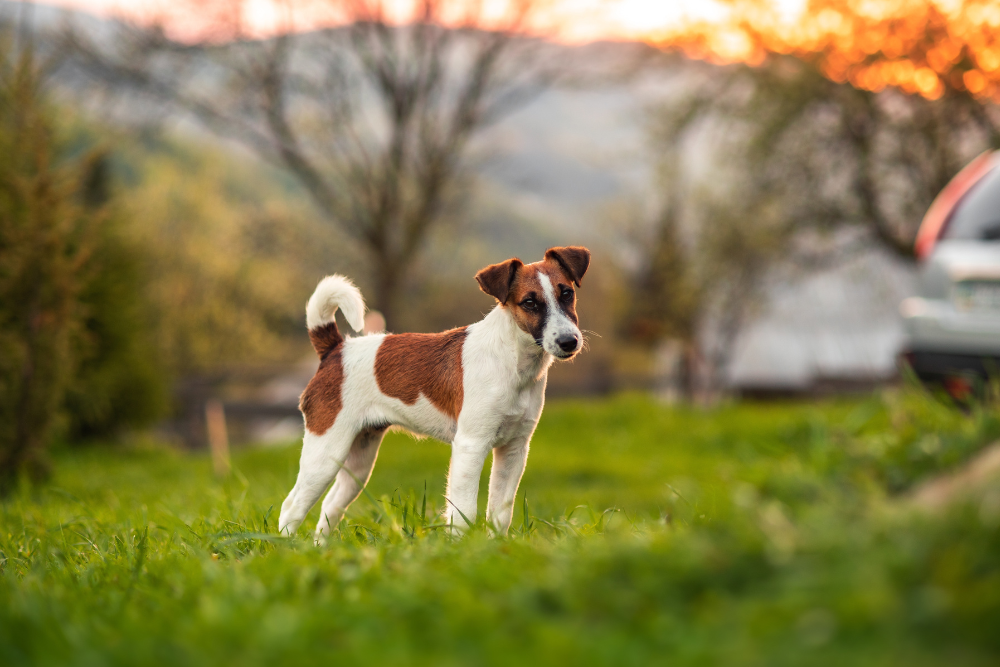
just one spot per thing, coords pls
(410, 364)
(527, 301)
(573, 259)
(325, 338)
(497, 279)
(321, 402)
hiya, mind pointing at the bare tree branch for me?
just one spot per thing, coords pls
(401, 104)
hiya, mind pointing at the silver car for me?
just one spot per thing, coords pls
(953, 326)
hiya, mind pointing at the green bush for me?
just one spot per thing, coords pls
(74, 341)
(121, 380)
(46, 244)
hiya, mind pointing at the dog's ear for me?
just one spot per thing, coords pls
(496, 279)
(573, 259)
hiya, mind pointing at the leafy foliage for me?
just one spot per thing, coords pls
(46, 243)
(921, 47)
(80, 357)
(820, 139)
(228, 257)
(857, 115)
(121, 380)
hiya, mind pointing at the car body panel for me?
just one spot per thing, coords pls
(954, 321)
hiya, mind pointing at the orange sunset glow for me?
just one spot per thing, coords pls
(927, 47)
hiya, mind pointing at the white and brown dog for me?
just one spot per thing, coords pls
(479, 387)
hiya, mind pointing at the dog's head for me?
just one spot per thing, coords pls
(541, 297)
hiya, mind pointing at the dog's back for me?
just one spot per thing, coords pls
(410, 380)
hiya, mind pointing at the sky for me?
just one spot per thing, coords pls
(870, 43)
(572, 21)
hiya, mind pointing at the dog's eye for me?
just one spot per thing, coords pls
(567, 294)
(529, 304)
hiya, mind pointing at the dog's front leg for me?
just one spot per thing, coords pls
(509, 460)
(467, 458)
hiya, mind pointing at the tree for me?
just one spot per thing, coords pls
(705, 263)
(120, 378)
(826, 137)
(372, 118)
(921, 47)
(860, 112)
(46, 238)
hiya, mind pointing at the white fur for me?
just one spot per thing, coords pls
(335, 292)
(557, 323)
(504, 376)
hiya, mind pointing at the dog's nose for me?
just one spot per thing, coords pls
(567, 342)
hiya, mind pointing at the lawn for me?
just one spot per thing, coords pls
(749, 534)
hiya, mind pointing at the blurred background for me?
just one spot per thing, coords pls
(750, 176)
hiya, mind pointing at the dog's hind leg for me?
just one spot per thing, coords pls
(321, 460)
(351, 479)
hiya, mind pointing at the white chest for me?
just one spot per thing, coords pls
(504, 375)
(519, 417)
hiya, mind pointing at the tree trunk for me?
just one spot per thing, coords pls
(387, 290)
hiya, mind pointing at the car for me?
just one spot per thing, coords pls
(952, 325)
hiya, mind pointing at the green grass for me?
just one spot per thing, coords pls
(752, 534)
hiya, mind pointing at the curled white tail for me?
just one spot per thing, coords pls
(335, 292)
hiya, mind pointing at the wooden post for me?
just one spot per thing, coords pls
(218, 438)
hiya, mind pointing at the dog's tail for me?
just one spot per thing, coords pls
(333, 292)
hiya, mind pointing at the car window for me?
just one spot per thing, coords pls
(977, 216)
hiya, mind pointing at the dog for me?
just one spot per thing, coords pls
(480, 387)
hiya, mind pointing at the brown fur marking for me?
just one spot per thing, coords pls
(497, 279)
(321, 401)
(573, 259)
(325, 338)
(410, 364)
